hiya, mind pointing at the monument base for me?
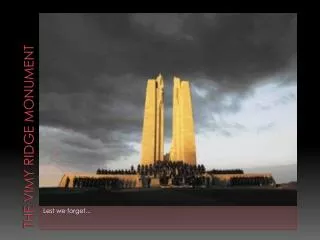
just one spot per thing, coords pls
(138, 181)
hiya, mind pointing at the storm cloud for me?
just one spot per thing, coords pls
(94, 69)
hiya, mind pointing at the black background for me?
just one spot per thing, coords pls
(25, 30)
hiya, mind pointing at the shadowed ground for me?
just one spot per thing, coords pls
(169, 197)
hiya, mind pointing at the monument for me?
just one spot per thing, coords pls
(153, 123)
(182, 151)
(183, 137)
(183, 146)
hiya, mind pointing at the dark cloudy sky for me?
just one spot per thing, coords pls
(93, 72)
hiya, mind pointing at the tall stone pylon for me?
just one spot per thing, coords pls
(153, 122)
(183, 147)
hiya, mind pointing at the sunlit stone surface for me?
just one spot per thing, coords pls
(153, 123)
(183, 146)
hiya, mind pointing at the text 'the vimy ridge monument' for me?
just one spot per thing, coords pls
(183, 137)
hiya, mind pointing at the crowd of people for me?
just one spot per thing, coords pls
(104, 182)
(160, 169)
(175, 172)
(130, 171)
(194, 181)
(250, 181)
(226, 171)
(178, 172)
(170, 169)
